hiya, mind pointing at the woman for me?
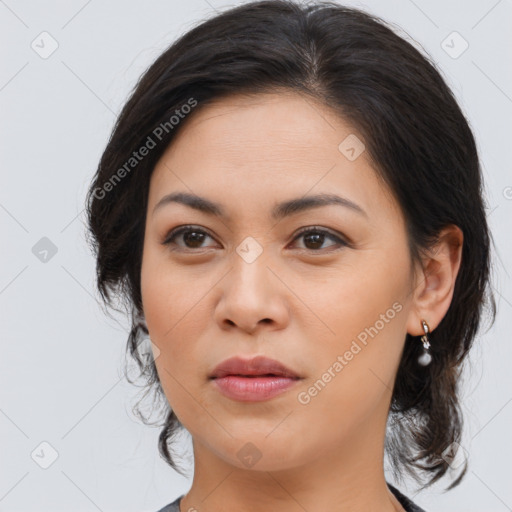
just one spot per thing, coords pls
(290, 204)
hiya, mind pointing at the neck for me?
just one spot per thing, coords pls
(348, 477)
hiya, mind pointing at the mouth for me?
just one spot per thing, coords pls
(259, 366)
(253, 380)
(253, 388)
(254, 376)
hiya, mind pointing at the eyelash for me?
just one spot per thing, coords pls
(308, 230)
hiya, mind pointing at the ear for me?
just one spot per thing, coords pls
(435, 281)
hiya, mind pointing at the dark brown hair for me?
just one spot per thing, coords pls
(415, 134)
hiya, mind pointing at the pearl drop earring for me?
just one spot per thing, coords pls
(425, 359)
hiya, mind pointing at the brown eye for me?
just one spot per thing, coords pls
(192, 237)
(314, 239)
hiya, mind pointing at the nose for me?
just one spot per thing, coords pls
(252, 297)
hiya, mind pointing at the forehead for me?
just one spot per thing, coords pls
(271, 123)
(243, 148)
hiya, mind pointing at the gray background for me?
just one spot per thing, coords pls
(61, 379)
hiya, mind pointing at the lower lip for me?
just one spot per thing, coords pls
(252, 389)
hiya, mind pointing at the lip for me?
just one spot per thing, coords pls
(259, 365)
(253, 380)
(252, 389)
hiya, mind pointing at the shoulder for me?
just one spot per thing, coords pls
(408, 504)
(172, 507)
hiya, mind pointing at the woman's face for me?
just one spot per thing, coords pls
(332, 306)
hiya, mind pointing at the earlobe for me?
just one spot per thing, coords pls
(435, 281)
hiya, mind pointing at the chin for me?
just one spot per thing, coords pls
(264, 452)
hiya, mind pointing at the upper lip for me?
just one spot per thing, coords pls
(259, 365)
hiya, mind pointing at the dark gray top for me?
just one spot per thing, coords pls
(408, 505)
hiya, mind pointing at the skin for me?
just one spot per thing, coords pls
(300, 302)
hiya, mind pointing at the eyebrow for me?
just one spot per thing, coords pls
(279, 211)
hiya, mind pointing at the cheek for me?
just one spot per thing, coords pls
(152, 292)
(162, 309)
(175, 316)
(165, 292)
(363, 310)
(368, 289)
